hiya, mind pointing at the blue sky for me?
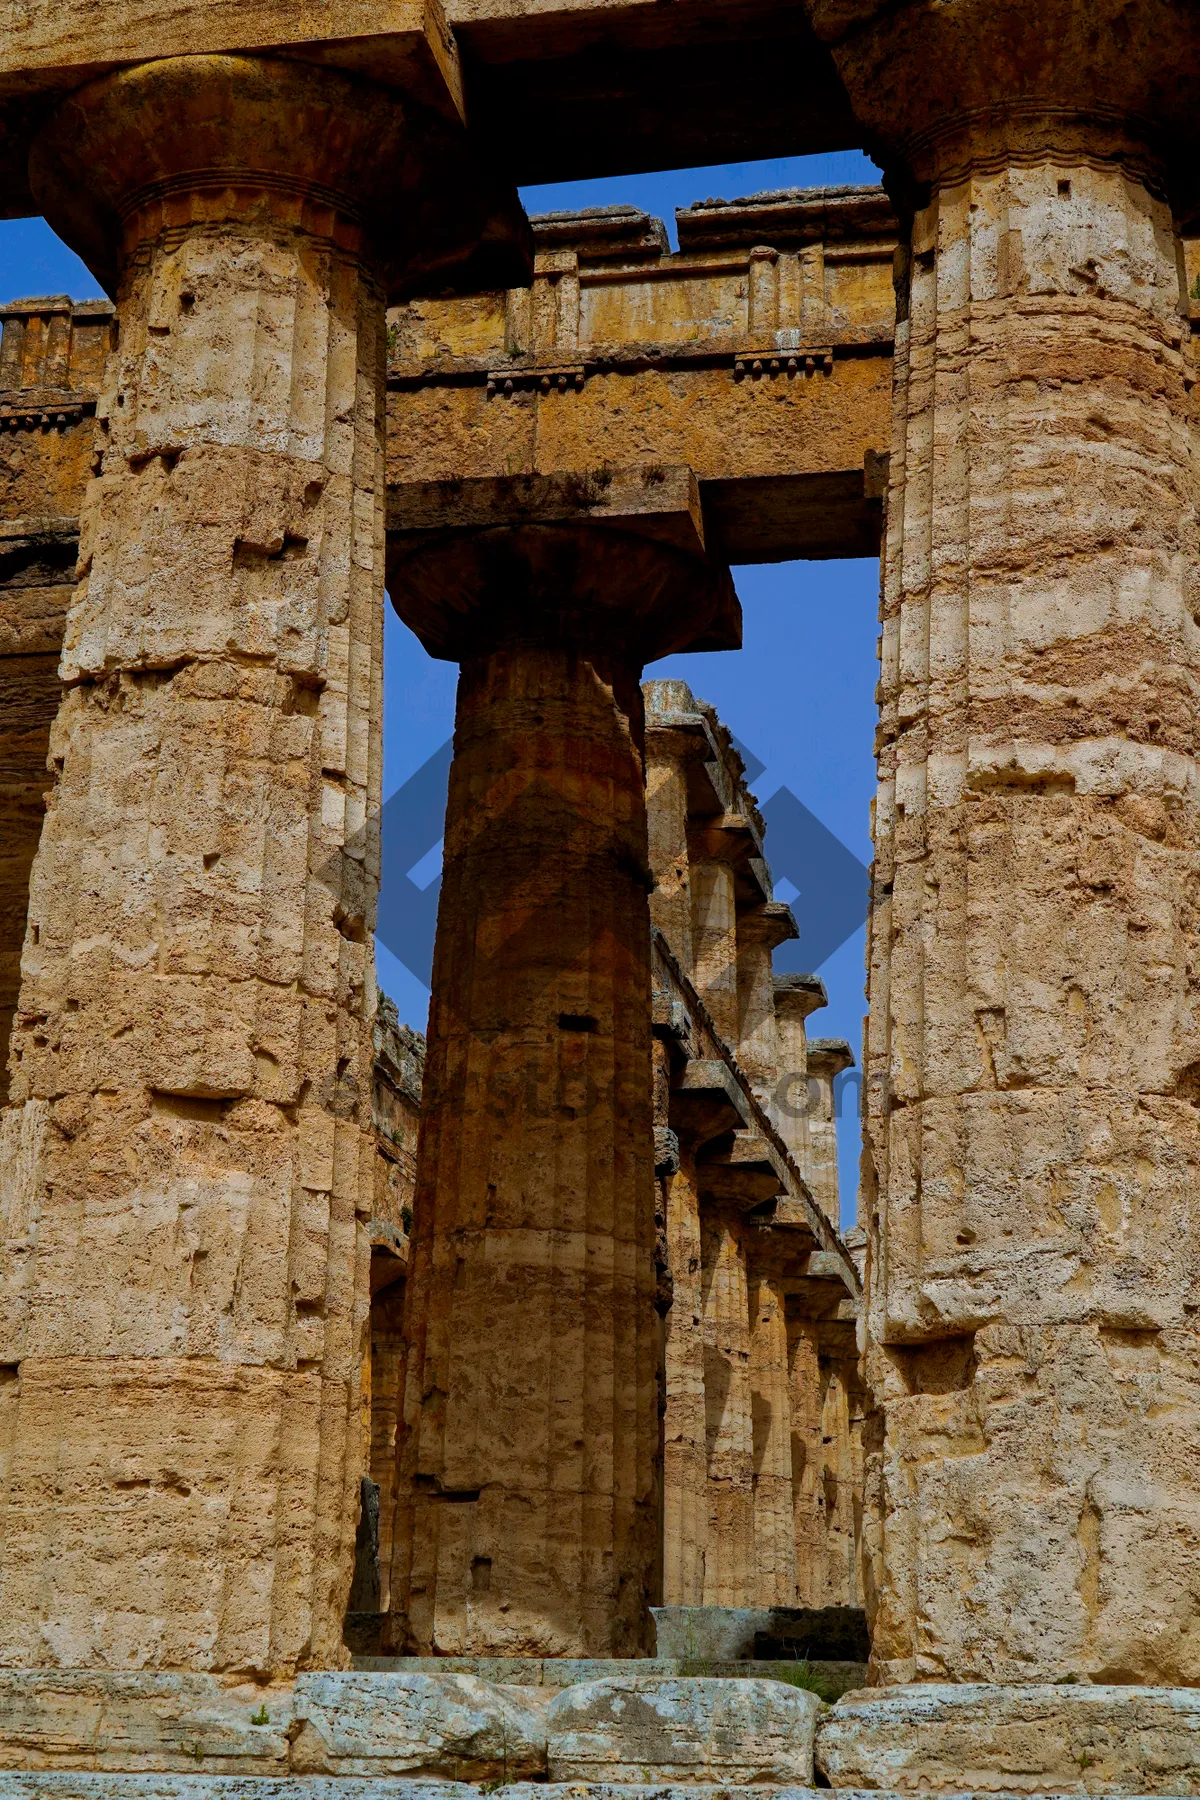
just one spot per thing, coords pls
(800, 693)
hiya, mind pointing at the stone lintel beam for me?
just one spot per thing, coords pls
(787, 219)
(611, 559)
(662, 504)
(557, 91)
(743, 1170)
(707, 1102)
(406, 44)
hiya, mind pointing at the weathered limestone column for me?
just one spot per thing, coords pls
(771, 1404)
(685, 1448)
(729, 1571)
(760, 931)
(1035, 1034)
(527, 1518)
(670, 751)
(713, 884)
(827, 1058)
(796, 996)
(187, 1171)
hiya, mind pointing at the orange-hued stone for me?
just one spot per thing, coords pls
(189, 1157)
(526, 1521)
(1034, 1153)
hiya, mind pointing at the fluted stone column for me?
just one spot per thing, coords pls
(827, 1058)
(771, 1404)
(685, 1450)
(729, 1570)
(528, 1516)
(796, 996)
(760, 931)
(186, 1175)
(1034, 1274)
(713, 886)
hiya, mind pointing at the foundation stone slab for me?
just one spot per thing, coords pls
(103, 1719)
(437, 1725)
(644, 1728)
(941, 1739)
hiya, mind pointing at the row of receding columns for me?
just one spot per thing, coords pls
(187, 1162)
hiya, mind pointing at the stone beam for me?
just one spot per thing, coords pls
(780, 402)
(556, 91)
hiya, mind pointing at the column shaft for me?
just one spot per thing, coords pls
(774, 1523)
(714, 943)
(1034, 1035)
(189, 1162)
(685, 1473)
(729, 1570)
(526, 1521)
(667, 803)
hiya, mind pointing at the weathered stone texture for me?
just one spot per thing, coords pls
(396, 1112)
(754, 1515)
(644, 1728)
(758, 355)
(51, 362)
(1033, 1033)
(434, 1725)
(525, 1521)
(188, 1171)
(936, 1739)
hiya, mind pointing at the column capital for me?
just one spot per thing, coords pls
(609, 561)
(191, 141)
(797, 995)
(943, 89)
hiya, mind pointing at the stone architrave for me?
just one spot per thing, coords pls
(527, 1515)
(1034, 1048)
(187, 1168)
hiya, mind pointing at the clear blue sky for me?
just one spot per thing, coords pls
(800, 693)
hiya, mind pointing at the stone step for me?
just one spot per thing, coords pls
(142, 1735)
(61, 1785)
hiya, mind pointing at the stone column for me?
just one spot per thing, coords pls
(675, 743)
(685, 1470)
(527, 1519)
(774, 1523)
(760, 931)
(796, 996)
(714, 942)
(729, 1571)
(1034, 1277)
(827, 1058)
(187, 1169)
(808, 1459)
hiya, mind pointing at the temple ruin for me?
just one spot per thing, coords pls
(510, 1405)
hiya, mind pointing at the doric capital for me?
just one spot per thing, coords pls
(194, 141)
(945, 88)
(611, 561)
(796, 996)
